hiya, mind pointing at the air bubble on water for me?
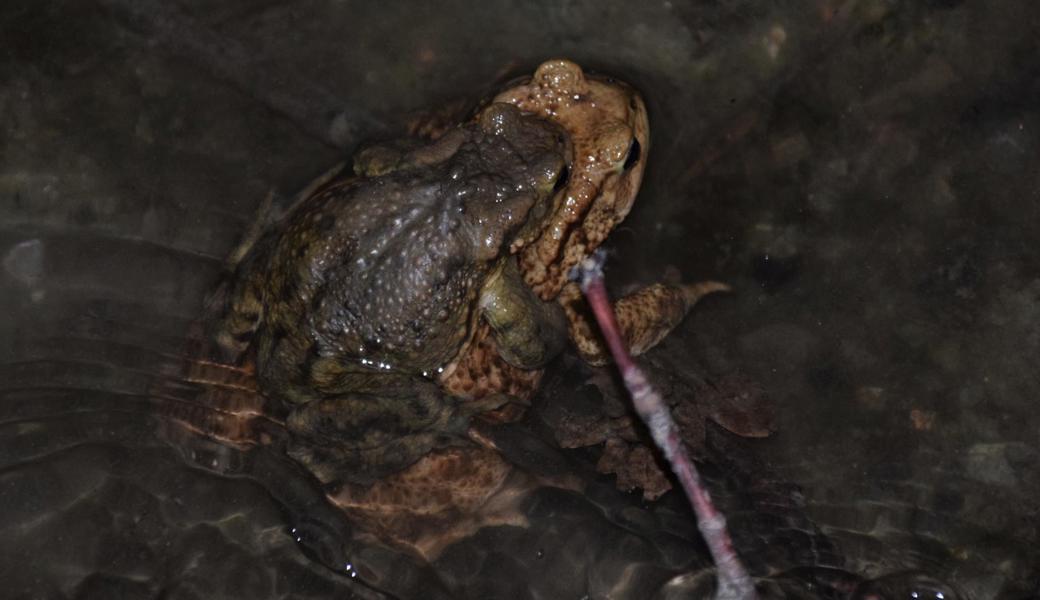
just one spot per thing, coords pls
(24, 262)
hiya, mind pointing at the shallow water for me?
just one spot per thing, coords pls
(864, 173)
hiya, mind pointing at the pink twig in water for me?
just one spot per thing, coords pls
(733, 580)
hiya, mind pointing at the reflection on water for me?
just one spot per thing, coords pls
(863, 173)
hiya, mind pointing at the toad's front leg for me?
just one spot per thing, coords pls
(529, 331)
(644, 317)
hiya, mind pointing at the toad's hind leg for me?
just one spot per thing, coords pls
(644, 317)
(360, 438)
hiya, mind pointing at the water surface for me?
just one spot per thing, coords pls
(864, 173)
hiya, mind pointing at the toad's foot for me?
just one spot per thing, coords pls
(644, 317)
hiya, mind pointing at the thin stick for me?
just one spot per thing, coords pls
(734, 582)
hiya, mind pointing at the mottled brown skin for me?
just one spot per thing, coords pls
(609, 131)
(368, 287)
(415, 509)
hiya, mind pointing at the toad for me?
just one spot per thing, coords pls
(389, 307)
(353, 303)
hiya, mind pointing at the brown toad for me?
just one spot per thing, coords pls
(358, 297)
(606, 121)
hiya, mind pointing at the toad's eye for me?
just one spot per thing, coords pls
(561, 180)
(633, 155)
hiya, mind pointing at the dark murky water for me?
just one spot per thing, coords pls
(866, 174)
